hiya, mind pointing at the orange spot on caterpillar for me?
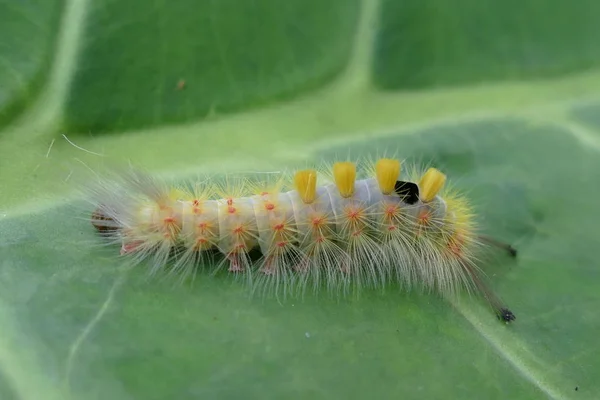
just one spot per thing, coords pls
(270, 206)
(424, 217)
(320, 239)
(196, 209)
(238, 230)
(391, 210)
(391, 228)
(203, 228)
(264, 193)
(168, 220)
(230, 201)
(231, 210)
(279, 227)
(282, 244)
(353, 214)
(202, 243)
(357, 232)
(317, 221)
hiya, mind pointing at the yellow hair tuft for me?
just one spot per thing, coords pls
(431, 183)
(387, 171)
(178, 194)
(344, 174)
(459, 212)
(305, 183)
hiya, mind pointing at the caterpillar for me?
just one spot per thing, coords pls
(338, 227)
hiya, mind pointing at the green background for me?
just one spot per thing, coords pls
(504, 97)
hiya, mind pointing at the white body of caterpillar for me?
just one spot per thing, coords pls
(345, 234)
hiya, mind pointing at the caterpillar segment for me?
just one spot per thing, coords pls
(345, 234)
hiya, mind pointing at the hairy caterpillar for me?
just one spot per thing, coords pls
(311, 229)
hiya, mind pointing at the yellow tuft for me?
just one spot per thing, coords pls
(459, 222)
(460, 211)
(305, 183)
(271, 184)
(430, 184)
(178, 194)
(344, 174)
(232, 187)
(387, 171)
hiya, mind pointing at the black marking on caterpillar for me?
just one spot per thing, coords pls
(408, 191)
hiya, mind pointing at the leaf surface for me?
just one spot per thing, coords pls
(268, 87)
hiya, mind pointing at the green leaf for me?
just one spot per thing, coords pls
(28, 31)
(270, 86)
(435, 43)
(203, 57)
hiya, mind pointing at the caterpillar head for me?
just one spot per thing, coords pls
(103, 223)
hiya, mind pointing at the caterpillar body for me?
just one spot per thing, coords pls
(313, 229)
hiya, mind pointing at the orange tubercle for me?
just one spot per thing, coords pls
(196, 208)
(354, 214)
(391, 210)
(424, 217)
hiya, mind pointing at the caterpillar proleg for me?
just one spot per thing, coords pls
(338, 228)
